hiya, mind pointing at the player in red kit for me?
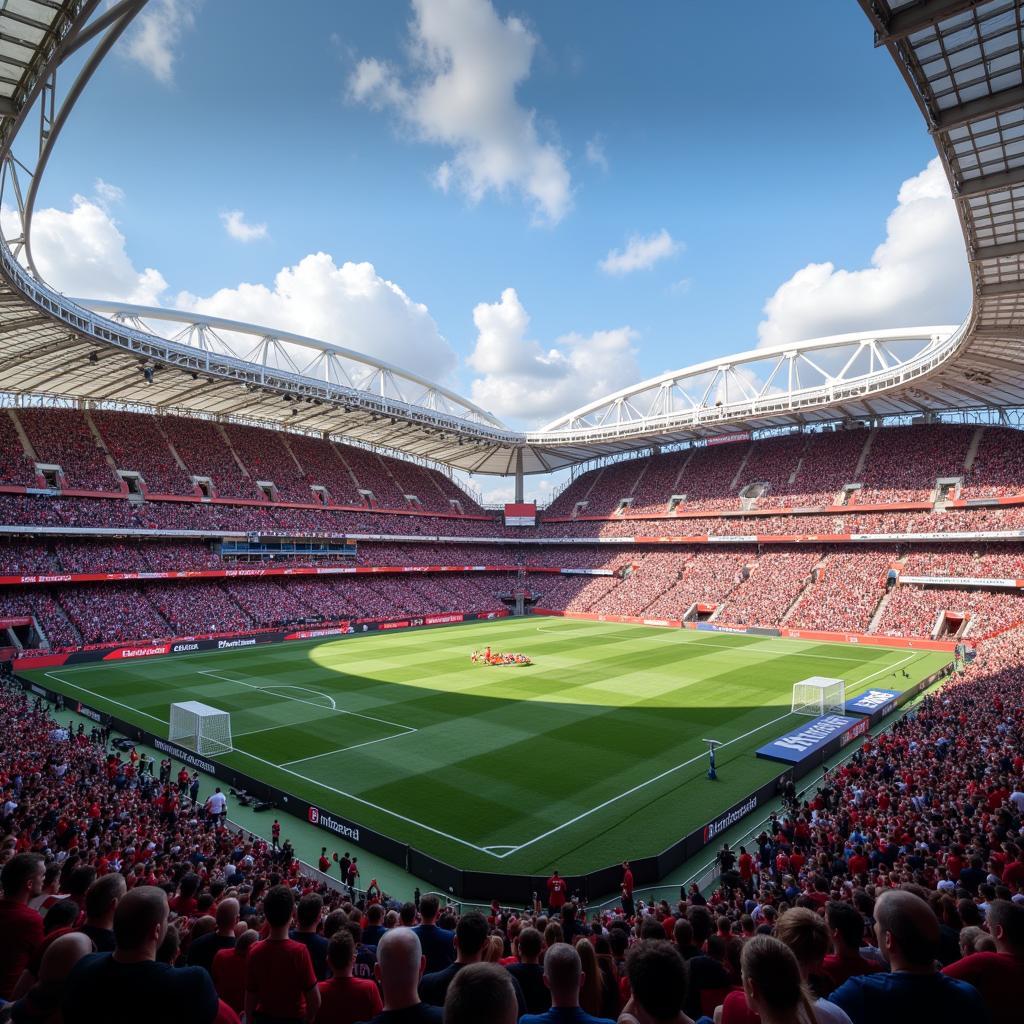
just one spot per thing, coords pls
(556, 892)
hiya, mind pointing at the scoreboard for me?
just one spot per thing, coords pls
(521, 513)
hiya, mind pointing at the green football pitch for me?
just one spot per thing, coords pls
(590, 755)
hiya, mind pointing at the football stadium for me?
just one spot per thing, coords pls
(703, 699)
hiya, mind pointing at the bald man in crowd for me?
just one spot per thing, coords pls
(129, 985)
(400, 965)
(206, 947)
(43, 1000)
(908, 937)
(563, 974)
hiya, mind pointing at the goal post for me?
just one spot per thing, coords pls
(819, 695)
(200, 728)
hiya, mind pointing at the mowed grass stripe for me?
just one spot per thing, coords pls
(504, 755)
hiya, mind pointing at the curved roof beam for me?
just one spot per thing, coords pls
(267, 336)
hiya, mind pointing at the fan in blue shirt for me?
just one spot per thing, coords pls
(908, 936)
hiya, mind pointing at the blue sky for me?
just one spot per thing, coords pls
(750, 153)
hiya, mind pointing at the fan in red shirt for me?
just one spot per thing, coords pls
(21, 928)
(997, 975)
(229, 970)
(846, 926)
(344, 999)
(557, 890)
(279, 978)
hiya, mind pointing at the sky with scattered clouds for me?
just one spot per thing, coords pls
(536, 203)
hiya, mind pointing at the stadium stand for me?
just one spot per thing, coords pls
(16, 467)
(62, 437)
(137, 444)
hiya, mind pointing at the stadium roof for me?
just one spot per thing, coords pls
(961, 59)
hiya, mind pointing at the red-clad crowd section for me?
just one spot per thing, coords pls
(806, 531)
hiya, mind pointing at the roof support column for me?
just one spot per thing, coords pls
(519, 474)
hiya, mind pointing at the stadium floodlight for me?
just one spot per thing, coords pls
(201, 728)
(819, 695)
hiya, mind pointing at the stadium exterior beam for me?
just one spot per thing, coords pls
(989, 183)
(974, 110)
(995, 252)
(901, 24)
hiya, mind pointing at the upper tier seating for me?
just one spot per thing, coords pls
(62, 437)
(137, 444)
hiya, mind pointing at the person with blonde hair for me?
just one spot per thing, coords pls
(772, 984)
(807, 935)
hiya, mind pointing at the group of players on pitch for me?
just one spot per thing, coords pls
(489, 657)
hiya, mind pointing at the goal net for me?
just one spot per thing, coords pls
(818, 696)
(201, 728)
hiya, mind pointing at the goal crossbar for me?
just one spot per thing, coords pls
(200, 727)
(819, 695)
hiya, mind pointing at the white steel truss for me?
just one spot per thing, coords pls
(963, 61)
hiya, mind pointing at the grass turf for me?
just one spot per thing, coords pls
(592, 754)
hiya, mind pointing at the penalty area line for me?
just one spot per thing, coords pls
(271, 687)
(637, 788)
(353, 746)
(298, 775)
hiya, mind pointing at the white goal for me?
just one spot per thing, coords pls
(201, 728)
(818, 696)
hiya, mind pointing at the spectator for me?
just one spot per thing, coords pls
(908, 937)
(202, 951)
(772, 984)
(101, 899)
(280, 983)
(997, 976)
(229, 970)
(42, 1003)
(846, 928)
(21, 928)
(307, 919)
(599, 993)
(658, 979)
(344, 999)
(806, 934)
(399, 968)
(528, 971)
(563, 975)
(471, 935)
(438, 944)
(129, 985)
(709, 978)
(481, 992)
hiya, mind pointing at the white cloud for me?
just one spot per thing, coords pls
(641, 253)
(350, 305)
(154, 36)
(595, 153)
(520, 380)
(107, 195)
(82, 252)
(918, 275)
(465, 63)
(235, 225)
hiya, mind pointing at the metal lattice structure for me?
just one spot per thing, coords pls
(962, 60)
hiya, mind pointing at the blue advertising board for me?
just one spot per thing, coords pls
(807, 740)
(872, 701)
